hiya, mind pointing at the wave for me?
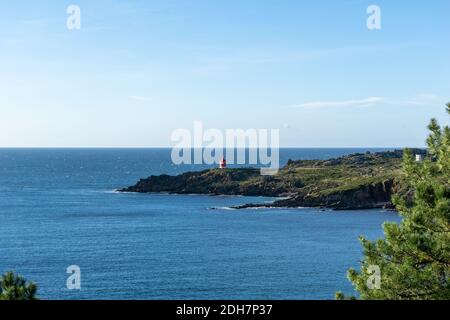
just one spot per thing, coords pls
(222, 208)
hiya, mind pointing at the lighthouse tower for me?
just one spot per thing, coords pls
(223, 163)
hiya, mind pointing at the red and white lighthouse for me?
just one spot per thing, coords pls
(223, 163)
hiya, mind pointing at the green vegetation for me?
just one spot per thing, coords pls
(15, 287)
(364, 180)
(414, 258)
(346, 173)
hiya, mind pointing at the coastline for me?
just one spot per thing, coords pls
(357, 181)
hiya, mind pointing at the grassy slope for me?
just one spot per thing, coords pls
(306, 177)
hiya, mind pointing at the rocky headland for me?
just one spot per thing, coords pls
(357, 181)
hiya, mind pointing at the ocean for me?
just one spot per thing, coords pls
(58, 208)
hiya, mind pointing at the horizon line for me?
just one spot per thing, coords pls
(171, 147)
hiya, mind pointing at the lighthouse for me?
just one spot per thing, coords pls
(223, 163)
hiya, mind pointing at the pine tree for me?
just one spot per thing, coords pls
(14, 287)
(413, 260)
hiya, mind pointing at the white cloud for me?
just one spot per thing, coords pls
(140, 98)
(367, 102)
(423, 100)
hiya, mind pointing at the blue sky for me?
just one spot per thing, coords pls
(138, 70)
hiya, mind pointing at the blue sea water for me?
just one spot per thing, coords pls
(58, 208)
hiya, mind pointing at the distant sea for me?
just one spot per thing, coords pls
(58, 208)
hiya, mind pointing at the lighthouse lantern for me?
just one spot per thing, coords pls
(223, 163)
